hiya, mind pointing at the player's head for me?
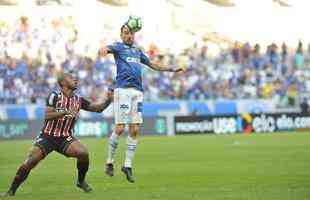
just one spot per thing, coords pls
(68, 80)
(127, 36)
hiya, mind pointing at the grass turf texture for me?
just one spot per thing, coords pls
(202, 167)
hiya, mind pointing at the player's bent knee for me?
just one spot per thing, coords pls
(119, 129)
(32, 161)
(134, 130)
(34, 157)
(83, 154)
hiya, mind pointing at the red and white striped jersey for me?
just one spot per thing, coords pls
(63, 126)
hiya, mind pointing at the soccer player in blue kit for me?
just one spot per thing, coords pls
(128, 96)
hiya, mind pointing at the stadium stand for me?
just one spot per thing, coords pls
(33, 50)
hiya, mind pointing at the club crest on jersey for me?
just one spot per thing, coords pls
(124, 106)
(132, 59)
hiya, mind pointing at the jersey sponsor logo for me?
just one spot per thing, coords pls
(132, 59)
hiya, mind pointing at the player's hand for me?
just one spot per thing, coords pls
(110, 94)
(69, 113)
(75, 111)
(180, 69)
(104, 51)
(72, 113)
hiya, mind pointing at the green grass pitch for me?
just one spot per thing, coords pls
(195, 167)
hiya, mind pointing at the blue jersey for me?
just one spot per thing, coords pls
(128, 61)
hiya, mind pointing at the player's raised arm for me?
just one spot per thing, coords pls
(97, 107)
(105, 50)
(113, 48)
(160, 67)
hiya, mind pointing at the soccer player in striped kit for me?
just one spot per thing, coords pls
(62, 111)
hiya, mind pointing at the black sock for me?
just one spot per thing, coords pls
(82, 167)
(21, 175)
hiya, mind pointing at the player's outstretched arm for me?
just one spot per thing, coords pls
(105, 50)
(99, 107)
(160, 67)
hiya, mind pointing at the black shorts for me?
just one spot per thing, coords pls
(50, 143)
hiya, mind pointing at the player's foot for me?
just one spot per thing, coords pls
(128, 172)
(109, 170)
(84, 186)
(7, 194)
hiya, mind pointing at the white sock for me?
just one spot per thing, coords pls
(131, 147)
(113, 143)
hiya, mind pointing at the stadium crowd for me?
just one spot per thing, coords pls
(30, 57)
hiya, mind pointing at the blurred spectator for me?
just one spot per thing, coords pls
(304, 106)
(32, 54)
(299, 58)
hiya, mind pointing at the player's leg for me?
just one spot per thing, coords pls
(121, 111)
(134, 130)
(112, 146)
(34, 157)
(73, 148)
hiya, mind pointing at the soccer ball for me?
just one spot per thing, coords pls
(134, 23)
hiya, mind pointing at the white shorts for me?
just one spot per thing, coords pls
(128, 106)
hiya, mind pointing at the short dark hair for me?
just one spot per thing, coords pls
(61, 76)
(123, 26)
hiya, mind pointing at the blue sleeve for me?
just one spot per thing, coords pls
(144, 59)
(114, 48)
